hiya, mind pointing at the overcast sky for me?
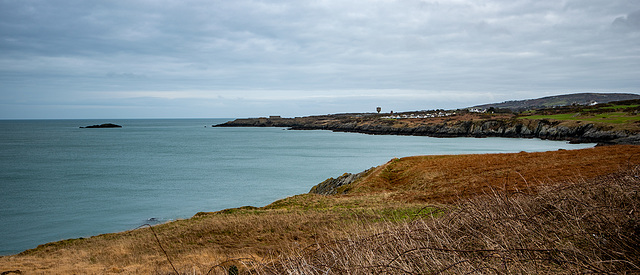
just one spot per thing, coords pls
(245, 58)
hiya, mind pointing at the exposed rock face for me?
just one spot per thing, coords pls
(630, 140)
(105, 125)
(330, 186)
(514, 128)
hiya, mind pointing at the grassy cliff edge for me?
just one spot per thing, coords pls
(413, 194)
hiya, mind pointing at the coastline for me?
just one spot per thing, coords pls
(339, 153)
(305, 217)
(461, 126)
(397, 188)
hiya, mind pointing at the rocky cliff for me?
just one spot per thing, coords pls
(332, 186)
(513, 128)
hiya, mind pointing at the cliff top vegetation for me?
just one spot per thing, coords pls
(597, 123)
(559, 101)
(560, 211)
(621, 114)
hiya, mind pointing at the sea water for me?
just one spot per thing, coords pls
(58, 181)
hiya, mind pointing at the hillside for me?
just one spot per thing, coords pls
(559, 100)
(399, 198)
(588, 226)
(608, 123)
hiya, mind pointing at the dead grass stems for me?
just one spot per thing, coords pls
(416, 215)
(581, 227)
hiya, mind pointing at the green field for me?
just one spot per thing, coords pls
(613, 117)
(614, 107)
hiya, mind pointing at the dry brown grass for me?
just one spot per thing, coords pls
(446, 179)
(393, 193)
(414, 122)
(208, 240)
(583, 227)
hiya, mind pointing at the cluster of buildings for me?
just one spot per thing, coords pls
(477, 110)
(428, 115)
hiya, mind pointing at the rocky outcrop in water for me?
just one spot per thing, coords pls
(104, 125)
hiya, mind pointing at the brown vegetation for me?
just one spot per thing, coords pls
(448, 178)
(397, 202)
(577, 228)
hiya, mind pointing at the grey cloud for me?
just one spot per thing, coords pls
(126, 75)
(630, 22)
(75, 47)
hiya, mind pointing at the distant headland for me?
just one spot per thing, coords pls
(579, 118)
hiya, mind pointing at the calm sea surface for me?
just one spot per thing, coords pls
(58, 181)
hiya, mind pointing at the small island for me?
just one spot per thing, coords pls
(104, 125)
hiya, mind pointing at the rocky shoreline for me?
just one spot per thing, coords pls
(575, 132)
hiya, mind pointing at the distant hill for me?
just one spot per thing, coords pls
(559, 100)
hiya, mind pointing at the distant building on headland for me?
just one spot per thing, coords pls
(477, 110)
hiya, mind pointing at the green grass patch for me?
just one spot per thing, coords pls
(392, 214)
(570, 116)
(613, 117)
(617, 118)
(613, 107)
(616, 107)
